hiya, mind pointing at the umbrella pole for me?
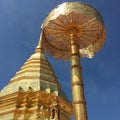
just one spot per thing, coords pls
(79, 104)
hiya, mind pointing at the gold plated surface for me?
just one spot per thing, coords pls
(35, 72)
(30, 102)
(79, 19)
(79, 104)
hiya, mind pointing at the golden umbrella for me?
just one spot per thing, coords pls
(73, 30)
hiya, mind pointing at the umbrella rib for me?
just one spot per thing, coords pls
(89, 29)
(48, 28)
(89, 35)
(90, 21)
(61, 21)
(89, 32)
(54, 33)
(57, 24)
(81, 42)
(88, 40)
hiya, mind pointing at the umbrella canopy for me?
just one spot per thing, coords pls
(76, 18)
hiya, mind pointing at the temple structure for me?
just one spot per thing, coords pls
(34, 93)
(71, 31)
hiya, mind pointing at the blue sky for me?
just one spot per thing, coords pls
(20, 22)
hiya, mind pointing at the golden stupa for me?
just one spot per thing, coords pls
(34, 93)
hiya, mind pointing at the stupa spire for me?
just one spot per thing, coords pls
(35, 72)
(40, 41)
